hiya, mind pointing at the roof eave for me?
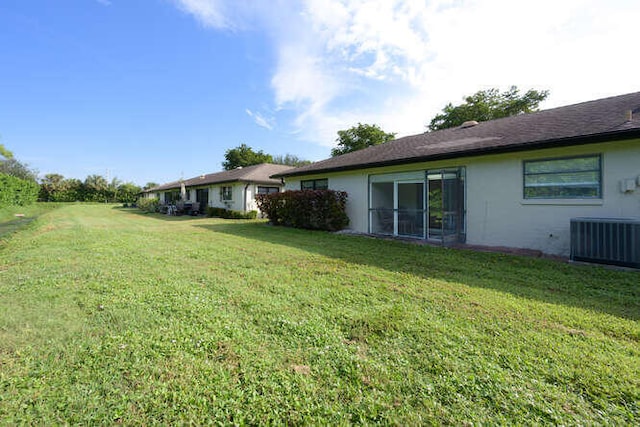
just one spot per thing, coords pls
(535, 145)
(226, 181)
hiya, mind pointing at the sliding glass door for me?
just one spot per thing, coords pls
(202, 197)
(410, 209)
(382, 211)
(417, 204)
(446, 205)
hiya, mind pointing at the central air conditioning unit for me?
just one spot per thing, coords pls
(614, 241)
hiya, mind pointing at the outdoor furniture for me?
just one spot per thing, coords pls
(385, 221)
(195, 208)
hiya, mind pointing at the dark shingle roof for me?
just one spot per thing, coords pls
(259, 174)
(594, 121)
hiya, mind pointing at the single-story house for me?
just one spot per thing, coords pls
(513, 182)
(233, 189)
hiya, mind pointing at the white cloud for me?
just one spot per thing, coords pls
(260, 120)
(397, 63)
(212, 13)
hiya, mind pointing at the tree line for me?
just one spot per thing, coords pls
(95, 188)
(19, 179)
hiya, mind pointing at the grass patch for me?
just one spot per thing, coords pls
(110, 316)
(14, 218)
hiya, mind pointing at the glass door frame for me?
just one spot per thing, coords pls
(457, 215)
(421, 177)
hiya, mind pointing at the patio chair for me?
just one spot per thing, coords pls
(195, 208)
(385, 221)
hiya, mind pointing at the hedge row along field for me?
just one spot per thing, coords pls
(17, 192)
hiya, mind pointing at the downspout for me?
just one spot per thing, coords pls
(244, 196)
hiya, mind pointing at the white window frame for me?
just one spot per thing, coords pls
(563, 185)
(226, 193)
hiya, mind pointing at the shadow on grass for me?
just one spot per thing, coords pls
(16, 218)
(10, 227)
(595, 288)
(157, 215)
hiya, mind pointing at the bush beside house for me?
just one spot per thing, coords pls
(16, 191)
(147, 204)
(311, 209)
(230, 214)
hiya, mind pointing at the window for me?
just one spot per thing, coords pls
(226, 193)
(268, 190)
(565, 178)
(315, 184)
(170, 197)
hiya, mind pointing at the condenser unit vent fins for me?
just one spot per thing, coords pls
(614, 241)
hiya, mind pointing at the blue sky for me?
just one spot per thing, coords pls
(152, 90)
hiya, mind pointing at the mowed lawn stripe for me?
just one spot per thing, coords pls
(108, 315)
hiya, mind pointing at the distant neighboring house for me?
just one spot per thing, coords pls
(234, 189)
(512, 182)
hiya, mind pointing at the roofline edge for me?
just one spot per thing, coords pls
(550, 143)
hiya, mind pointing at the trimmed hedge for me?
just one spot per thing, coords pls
(230, 214)
(311, 209)
(17, 192)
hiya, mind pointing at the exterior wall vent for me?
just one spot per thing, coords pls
(614, 241)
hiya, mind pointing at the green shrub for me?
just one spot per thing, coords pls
(230, 214)
(17, 192)
(240, 215)
(312, 209)
(148, 204)
(215, 212)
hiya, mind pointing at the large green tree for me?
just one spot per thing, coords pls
(128, 192)
(96, 189)
(359, 137)
(488, 104)
(149, 185)
(50, 185)
(55, 188)
(243, 155)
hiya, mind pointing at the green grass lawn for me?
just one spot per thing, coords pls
(14, 218)
(111, 316)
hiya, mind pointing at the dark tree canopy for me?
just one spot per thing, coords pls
(243, 155)
(289, 160)
(149, 185)
(488, 105)
(359, 137)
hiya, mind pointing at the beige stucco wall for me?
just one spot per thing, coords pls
(497, 214)
(236, 201)
(242, 200)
